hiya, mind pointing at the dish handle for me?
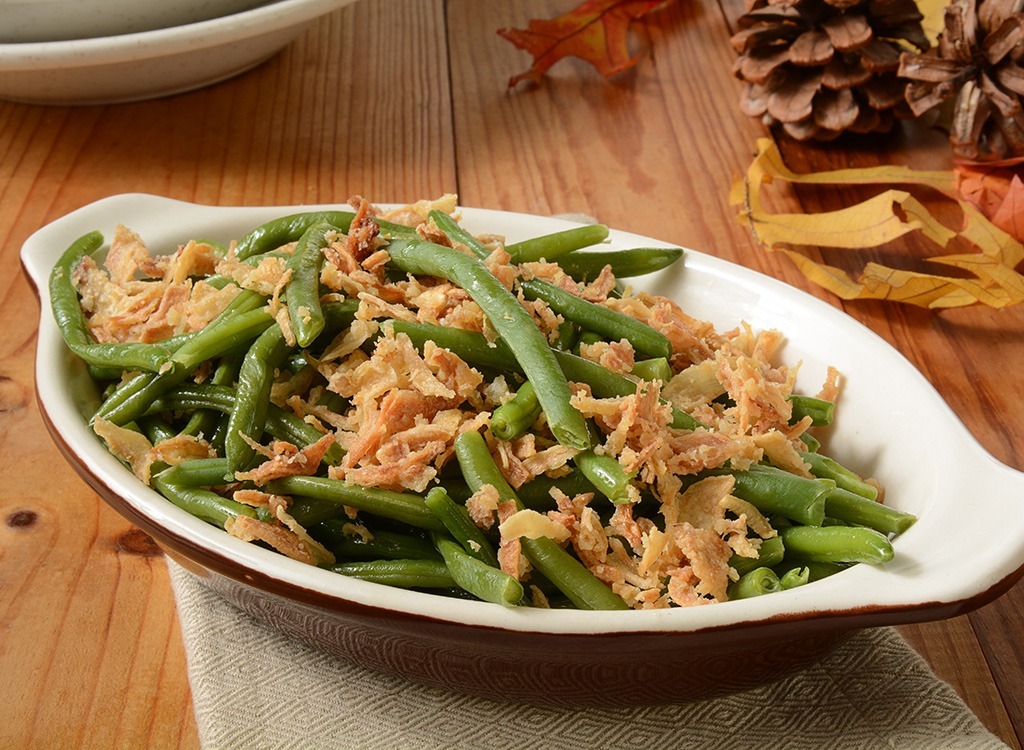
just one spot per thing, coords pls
(971, 551)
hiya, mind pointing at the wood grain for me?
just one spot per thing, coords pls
(398, 100)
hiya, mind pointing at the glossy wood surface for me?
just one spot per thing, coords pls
(398, 100)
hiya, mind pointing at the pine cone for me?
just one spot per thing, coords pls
(822, 67)
(977, 66)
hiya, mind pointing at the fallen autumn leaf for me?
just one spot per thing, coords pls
(876, 221)
(595, 31)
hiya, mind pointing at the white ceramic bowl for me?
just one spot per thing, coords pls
(966, 548)
(160, 62)
(54, 20)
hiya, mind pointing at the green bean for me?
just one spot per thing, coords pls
(606, 474)
(337, 317)
(457, 234)
(407, 574)
(815, 570)
(567, 573)
(457, 521)
(586, 338)
(831, 521)
(514, 417)
(795, 577)
(248, 419)
(593, 317)
(106, 374)
(118, 393)
(769, 554)
(395, 231)
(855, 509)
(512, 323)
(198, 472)
(827, 468)
(568, 335)
(657, 368)
(380, 543)
(67, 312)
(308, 511)
(536, 494)
(302, 289)
(757, 582)
(551, 246)
(334, 401)
(836, 544)
(810, 441)
(209, 506)
(457, 489)
(473, 348)
(774, 491)
(638, 261)
(278, 232)
(399, 506)
(155, 429)
(820, 411)
(204, 421)
(128, 396)
(295, 362)
(220, 398)
(477, 577)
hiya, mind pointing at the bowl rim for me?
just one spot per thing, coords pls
(278, 574)
(196, 36)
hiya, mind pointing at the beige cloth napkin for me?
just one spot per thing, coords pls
(255, 688)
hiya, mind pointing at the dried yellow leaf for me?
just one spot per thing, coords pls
(868, 224)
(934, 12)
(876, 221)
(769, 163)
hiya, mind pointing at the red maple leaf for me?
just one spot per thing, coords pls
(595, 31)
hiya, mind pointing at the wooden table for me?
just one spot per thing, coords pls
(398, 100)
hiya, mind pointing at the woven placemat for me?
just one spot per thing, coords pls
(254, 687)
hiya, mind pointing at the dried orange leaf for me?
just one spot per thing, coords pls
(876, 221)
(997, 192)
(1010, 215)
(595, 31)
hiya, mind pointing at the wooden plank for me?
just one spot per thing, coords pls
(999, 627)
(91, 653)
(953, 651)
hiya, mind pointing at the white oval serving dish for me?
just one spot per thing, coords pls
(966, 549)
